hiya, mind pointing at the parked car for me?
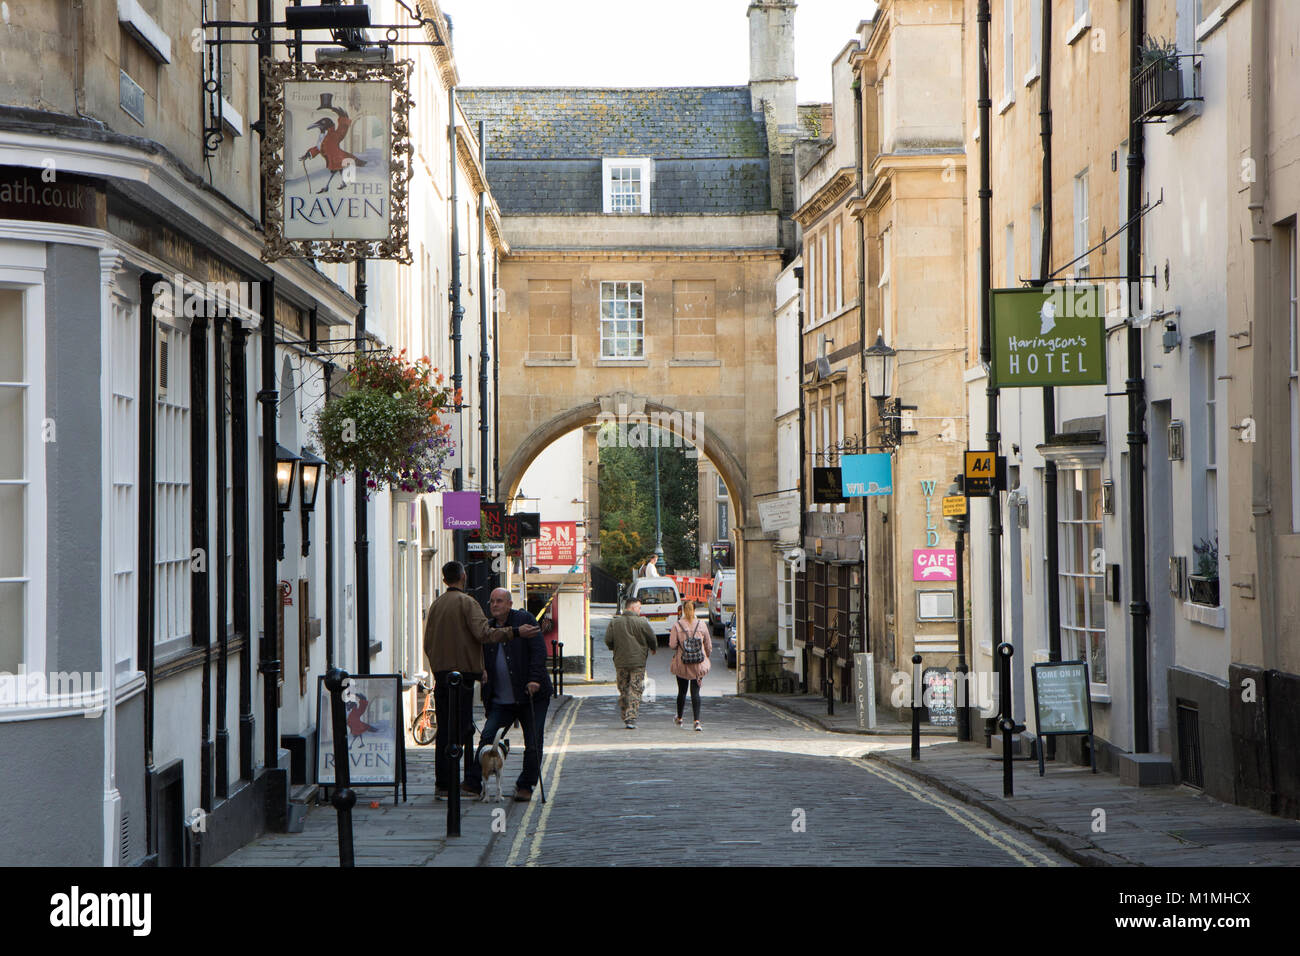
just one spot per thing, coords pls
(659, 599)
(729, 646)
(722, 598)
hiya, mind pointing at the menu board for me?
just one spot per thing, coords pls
(1062, 700)
(940, 696)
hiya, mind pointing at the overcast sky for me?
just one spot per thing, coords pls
(643, 43)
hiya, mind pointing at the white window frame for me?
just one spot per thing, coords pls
(644, 170)
(824, 292)
(122, 459)
(1080, 268)
(609, 293)
(24, 272)
(810, 287)
(1036, 240)
(839, 266)
(1008, 53)
(173, 488)
(883, 283)
(1009, 255)
(839, 438)
(785, 604)
(1069, 527)
(1035, 41)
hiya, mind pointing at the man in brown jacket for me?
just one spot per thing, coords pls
(454, 634)
(630, 637)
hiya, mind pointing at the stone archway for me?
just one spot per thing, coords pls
(755, 566)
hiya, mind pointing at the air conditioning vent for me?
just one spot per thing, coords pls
(1189, 745)
(124, 849)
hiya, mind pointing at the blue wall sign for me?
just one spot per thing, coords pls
(865, 475)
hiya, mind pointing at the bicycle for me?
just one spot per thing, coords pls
(424, 728)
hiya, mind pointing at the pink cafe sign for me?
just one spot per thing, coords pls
(934, 564)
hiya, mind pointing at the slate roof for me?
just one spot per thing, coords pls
(544, 146)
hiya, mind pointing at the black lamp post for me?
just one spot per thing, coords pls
(959, 525)
(309, 486)
(286, 464)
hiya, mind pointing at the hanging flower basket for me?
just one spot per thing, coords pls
(386, 429)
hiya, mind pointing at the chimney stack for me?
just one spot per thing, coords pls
(771, 60)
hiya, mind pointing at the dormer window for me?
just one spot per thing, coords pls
(626, 185)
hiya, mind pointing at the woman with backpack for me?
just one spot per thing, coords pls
(690, 638)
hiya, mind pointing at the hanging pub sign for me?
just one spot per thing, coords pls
(866, 475)
(337, 157)
(1050, 336)
(491, 525)
(514, 542)
(1063, 703)
(826, 487)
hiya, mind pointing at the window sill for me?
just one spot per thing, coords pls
(1100, 693)
(1216, 617)
(1034, 74)
(1191, 111)
(625, 363)
(231, 118)
(548, 363)
(698, 363)
(1007, 102)
(1079, 28)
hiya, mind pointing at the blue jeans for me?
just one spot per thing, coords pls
(503, 715)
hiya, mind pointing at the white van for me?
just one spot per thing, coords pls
(722, 599)
(659, 599)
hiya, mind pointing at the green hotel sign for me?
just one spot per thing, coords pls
(1051, 336)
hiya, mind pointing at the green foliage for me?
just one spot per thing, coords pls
(627, 508)
(1207, 558)
(386, 428)
(1157, 50)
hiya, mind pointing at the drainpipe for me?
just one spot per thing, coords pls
(200, 605)
(1262, 356)
(269, 663)
(240, 590)
(329, 547)
(1052, 531)
(361, 501)
(992, 437)
(222, 757)
(482, 316)
(496, 382)
(457, 310)
(147, 518)
(803, 452)
(862, 355)
(1135, 386)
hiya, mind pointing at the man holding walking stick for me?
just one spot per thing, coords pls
(515, 687)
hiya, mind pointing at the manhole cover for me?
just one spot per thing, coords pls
(1215, 835)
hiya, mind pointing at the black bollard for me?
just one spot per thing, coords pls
(559, 666)
(1005, 720)
(454, 752)
(830, 686)
(344, 797)
(916, 710)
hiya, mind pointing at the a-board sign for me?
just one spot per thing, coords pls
(940, 696)
(376, 743)
(865, 692)
(1061, 698)
(1063, 703)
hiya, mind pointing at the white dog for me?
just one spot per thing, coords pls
(492, 759)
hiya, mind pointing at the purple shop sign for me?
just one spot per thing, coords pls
(460, 510)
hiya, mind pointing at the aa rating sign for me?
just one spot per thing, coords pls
(983, 473)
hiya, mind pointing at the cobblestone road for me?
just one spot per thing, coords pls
(755, 787)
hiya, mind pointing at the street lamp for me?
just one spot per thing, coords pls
(311, 468)
(880, 368)
(286, 463)
(880, 361)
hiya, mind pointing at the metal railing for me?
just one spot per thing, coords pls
(1166, 86)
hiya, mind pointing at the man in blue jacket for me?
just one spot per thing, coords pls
(515, 687)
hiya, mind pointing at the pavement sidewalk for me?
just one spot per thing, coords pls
(412, 833)
(812, 708)
(1091, 819)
